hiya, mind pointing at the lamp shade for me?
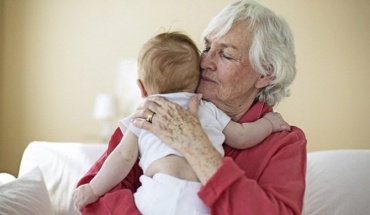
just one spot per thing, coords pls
(105, 107)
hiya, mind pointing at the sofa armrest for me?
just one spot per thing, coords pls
(62, 164)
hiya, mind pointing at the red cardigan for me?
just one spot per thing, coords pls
(266, 179)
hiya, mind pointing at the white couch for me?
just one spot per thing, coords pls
(338, 182)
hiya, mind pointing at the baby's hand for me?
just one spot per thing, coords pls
(277, 122)
(83, 196)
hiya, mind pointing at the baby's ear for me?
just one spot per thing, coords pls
(142, 88)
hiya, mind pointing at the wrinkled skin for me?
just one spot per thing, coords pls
(181, 130)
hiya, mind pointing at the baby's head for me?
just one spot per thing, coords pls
(169, 63)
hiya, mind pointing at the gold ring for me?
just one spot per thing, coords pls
(150, 117)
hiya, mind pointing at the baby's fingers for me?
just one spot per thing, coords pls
(285, 127)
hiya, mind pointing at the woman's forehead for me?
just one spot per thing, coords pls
(239, 36)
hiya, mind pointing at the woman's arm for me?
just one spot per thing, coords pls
(246, 135)
(267, 179)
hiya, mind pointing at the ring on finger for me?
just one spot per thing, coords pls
(150, 117)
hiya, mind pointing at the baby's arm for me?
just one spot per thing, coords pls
(247, 135)
(114, 170)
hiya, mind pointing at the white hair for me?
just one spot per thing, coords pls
(272, 50)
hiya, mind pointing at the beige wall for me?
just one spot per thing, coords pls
(57, 55)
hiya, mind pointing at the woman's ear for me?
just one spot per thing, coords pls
(263, 81)
(142, 88)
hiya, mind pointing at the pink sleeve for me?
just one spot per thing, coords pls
(277, 189)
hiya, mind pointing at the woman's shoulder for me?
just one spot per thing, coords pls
(297, 133)
(293, 140)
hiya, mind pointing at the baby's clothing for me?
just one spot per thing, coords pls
(164, 194)
(167, 195)
(152, 148)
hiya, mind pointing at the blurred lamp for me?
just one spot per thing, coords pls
(105, 110)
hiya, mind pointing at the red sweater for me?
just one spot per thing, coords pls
(266, 179)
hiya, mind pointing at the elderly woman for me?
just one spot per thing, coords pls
(247, 66)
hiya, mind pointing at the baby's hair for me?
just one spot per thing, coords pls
(168, 63)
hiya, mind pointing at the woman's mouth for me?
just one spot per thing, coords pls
(203, 78)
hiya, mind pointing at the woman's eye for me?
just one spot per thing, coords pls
(226, 56)
(206, 49)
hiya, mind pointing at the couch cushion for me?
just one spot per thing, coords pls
(337, 182)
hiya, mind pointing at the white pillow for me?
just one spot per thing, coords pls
(25, 195)
(5, 178)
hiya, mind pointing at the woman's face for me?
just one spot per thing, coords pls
(228, 79)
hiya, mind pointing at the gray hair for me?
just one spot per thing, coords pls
(272, 49)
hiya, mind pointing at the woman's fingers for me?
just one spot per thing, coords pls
(166, 114)
(151, 104)
(158, 100)
(141, 113)
(144, 113)
(151, 112)
(143, 124)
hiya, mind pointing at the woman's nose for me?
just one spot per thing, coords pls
(207, 61)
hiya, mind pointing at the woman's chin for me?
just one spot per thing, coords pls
(205, 87)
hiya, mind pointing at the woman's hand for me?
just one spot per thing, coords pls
(170, 122)
(180, 129)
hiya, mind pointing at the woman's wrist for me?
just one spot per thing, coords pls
(203, 158)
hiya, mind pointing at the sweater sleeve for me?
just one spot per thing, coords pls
(275, 187)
